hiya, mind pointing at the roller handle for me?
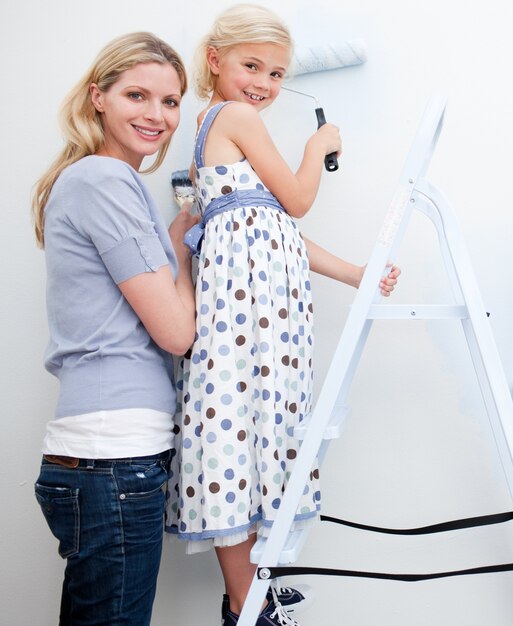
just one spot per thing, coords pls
(330, 160)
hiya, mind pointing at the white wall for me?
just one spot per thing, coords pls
(417, 449)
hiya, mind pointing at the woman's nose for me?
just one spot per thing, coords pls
(153, 111)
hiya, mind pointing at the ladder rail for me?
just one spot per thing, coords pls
(482, 347)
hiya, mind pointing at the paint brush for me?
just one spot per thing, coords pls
(182, 187)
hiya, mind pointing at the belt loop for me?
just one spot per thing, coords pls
(89, 464)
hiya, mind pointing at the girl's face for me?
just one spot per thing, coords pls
(250, 73)
(140, 111)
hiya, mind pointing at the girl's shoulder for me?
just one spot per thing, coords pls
(241, 110)
(229, 110)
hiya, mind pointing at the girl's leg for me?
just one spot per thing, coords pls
(237, 571)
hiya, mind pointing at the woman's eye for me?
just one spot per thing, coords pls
(171, 102)
(135, 96)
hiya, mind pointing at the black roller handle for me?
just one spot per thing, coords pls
(330, 160)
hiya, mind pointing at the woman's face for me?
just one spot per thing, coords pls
(140, 111)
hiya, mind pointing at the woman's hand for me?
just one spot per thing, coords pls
(180, 225)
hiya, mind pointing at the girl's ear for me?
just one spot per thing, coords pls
(213, 58)
(96, 97)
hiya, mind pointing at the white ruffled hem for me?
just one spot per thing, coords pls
(225, 541)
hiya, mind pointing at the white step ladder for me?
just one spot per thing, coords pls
(413, 192)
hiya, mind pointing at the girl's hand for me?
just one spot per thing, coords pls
(180, 225)
(387, 283)
(329, 139)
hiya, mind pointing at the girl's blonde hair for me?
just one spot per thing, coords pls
(81, 123)
(240, 24)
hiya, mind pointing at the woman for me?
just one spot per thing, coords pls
(119, 300)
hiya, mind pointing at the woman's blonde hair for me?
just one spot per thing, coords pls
(240, 24)
(81, 123)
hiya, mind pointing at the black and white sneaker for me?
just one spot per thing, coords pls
(273, 615)
(292, 599)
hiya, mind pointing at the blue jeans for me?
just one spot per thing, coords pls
(108, 516)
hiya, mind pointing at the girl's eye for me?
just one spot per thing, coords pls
(277, 75)
(251, 66)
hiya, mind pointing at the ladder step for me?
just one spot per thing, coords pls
(417, 312)
(291, 549)
(334, 427)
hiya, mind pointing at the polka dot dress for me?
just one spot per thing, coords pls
(246, 382)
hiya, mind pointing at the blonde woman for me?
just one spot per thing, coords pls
(119, 300)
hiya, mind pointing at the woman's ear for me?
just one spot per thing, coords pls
(96, 97)
(213, 58)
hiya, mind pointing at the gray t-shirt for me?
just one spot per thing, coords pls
(101, 228)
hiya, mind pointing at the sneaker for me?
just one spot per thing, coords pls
(273, 615)
(293, 600)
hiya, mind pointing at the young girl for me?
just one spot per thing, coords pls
(247, 380)
(119, 298)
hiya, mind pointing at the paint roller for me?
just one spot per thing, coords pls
(322, 58)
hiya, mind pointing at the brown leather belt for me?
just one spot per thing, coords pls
(67, 461)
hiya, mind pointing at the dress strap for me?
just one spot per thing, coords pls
(199, 149)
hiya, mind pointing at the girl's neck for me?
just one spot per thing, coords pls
(216, 99)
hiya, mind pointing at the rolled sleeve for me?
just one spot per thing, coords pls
(134, 255)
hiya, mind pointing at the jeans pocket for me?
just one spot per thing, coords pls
(61, 509)
(142, 480)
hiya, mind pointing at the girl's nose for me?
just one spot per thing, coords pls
(262, 82)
